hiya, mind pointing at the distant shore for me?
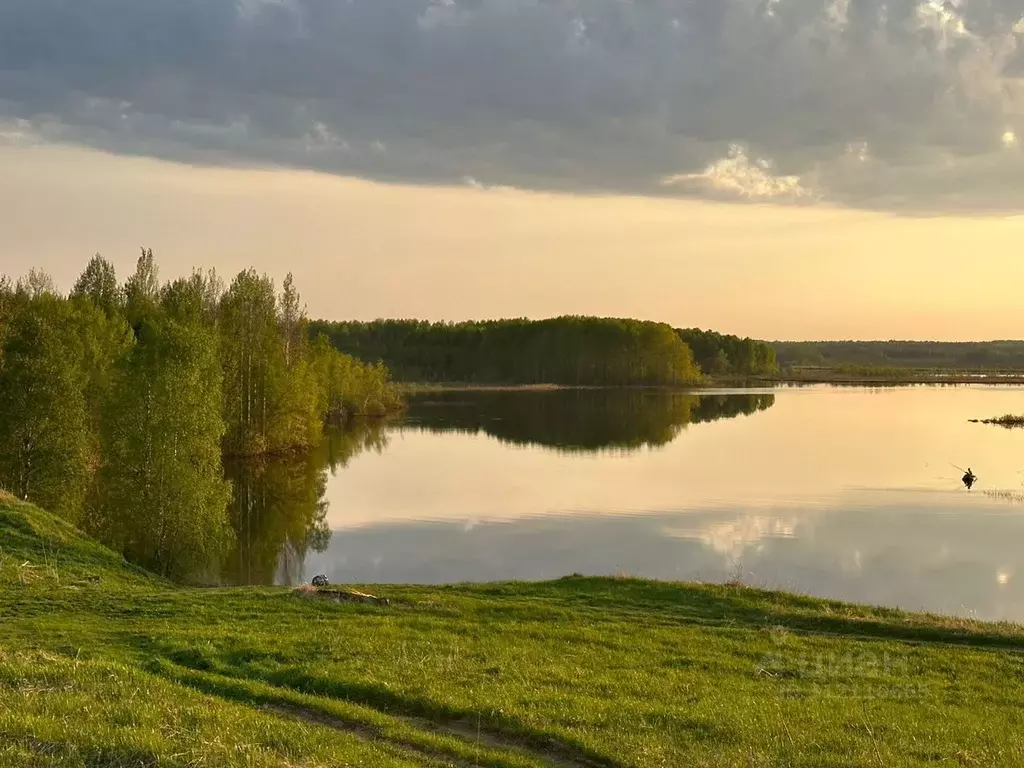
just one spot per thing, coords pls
(911, 378)
(421, 388)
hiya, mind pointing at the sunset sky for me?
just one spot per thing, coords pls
(775, 168)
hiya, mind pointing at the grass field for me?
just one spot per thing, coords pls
(103, 665)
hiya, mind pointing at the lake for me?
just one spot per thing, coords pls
(845, 492)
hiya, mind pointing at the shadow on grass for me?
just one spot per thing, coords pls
(196, 671)
(93, 757)
(28, 534)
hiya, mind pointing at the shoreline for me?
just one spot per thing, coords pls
(475, 674)
(420, 388)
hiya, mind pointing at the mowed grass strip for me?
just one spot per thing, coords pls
(101, 663)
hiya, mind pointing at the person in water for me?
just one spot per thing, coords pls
(969, 478)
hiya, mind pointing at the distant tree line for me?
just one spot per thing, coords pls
(568, 350)
(724, 355)
(963, 356)
(118, 401)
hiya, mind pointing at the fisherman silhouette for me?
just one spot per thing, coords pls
(969, 478)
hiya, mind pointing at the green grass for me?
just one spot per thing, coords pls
(103, 665)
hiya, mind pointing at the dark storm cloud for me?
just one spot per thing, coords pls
(907, 104)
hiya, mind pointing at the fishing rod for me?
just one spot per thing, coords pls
(969, 478)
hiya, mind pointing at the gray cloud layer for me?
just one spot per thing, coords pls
(902, 104)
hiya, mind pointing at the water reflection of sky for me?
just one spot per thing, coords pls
(846, 492)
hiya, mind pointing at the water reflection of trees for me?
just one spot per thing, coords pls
(580, 420)
(279, 506)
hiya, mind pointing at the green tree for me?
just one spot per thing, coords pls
(8, 300)
(35, 284)
(348, 387)
(98, 283)
(252, 355)
(44, 434)
(142, 289)
(297, 408)
(292, 317)
(721, 365)
(165, 499)
(562, 350)
(195, 298)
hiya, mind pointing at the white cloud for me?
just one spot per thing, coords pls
(943, 18)
(858, 151)
(15, 132)
(734, 538)
(735, 175)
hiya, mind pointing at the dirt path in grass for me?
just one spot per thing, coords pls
(554, 755)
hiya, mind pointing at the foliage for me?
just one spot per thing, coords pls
(724, 355)
(248, 327)
(44, 437)
(36, 284)
(955, 356)
(195, 298)
(568, 350)
(161, 476)
(142, 289)
(100, 665)
(118, 402)
(278, 387)
(7, 301)
(349, 386)
(98, 284)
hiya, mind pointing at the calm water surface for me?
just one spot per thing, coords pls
(833, 491)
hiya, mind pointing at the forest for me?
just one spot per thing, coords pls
(568, 350)
(960, 356)
(122, 400)
(724, 355)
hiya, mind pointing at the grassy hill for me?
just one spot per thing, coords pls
(103, 665)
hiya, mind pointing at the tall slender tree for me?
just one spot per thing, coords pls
(142, 289)
(162, 478)
(43, 422)
(292, 317)
(7, 304)
(251, 353)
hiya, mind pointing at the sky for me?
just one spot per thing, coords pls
(801, 169)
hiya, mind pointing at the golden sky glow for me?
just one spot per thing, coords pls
(364, 250)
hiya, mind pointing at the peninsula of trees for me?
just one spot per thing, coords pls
(570, 350)
(120, 400)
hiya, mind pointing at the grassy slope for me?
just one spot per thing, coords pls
(127, 670)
